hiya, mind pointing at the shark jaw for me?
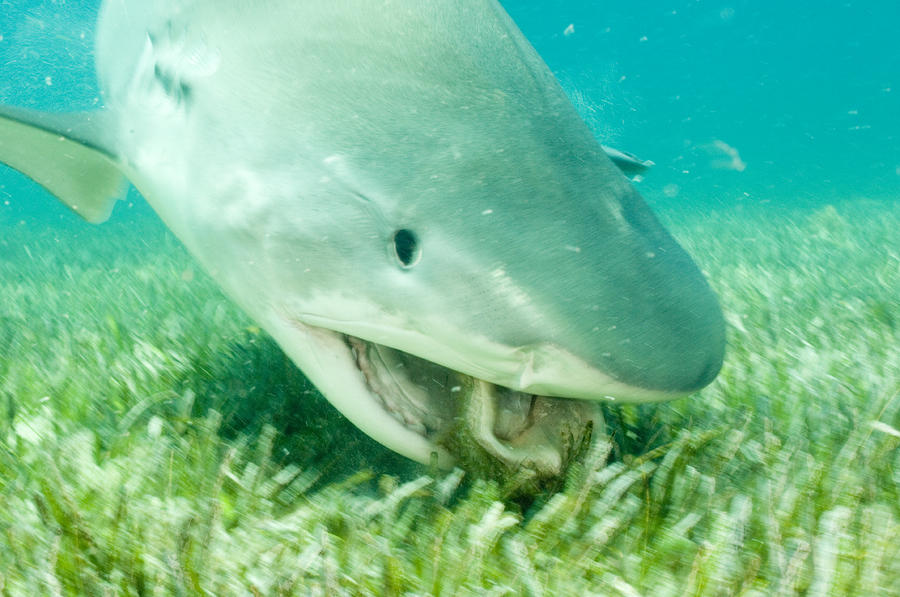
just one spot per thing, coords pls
(491, 430)
(436, 415)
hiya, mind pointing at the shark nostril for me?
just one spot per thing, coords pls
(407, 248)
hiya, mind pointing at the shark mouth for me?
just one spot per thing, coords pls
(489, 429)
(437, 415)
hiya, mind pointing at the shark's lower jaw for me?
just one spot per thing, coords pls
(491, 430)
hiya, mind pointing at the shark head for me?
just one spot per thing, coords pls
(409, 204)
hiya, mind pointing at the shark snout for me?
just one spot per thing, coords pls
(671, 344)
(667, 333)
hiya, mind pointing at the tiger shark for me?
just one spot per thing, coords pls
(402, 195)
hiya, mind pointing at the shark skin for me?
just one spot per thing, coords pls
(405, 199)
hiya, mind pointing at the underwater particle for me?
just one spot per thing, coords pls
(729, 158)
(48, 81)
(671, 190)
(569, 30)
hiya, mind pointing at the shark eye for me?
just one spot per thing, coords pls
(406, 248)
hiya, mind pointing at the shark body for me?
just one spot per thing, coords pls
(403, 196)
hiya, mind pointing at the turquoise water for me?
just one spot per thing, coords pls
(807, 95)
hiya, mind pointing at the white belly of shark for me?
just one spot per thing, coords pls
(405, 199)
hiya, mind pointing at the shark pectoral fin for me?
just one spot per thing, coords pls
(66, 154)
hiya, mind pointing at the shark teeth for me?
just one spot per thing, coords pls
(416, 392)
